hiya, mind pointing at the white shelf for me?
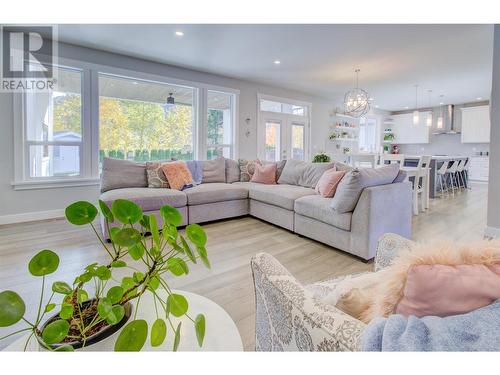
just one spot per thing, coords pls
(345, 139)
(337, 114)
(346, 128)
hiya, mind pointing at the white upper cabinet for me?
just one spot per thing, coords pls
(407, 133)
(476, 124)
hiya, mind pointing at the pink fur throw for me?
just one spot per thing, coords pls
(438, 279)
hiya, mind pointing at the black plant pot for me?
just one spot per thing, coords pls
(97, 337)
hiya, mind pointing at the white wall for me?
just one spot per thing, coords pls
(13, 203)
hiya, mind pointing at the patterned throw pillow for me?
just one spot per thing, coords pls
(156, 176)
(247, 169)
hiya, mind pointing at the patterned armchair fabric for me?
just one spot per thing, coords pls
(290, 317)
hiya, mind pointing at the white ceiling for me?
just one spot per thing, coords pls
(453, 60)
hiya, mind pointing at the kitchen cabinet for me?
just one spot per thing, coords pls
(479, 168)
(407, 133)
(476, 124)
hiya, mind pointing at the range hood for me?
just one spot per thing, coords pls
(447, 112)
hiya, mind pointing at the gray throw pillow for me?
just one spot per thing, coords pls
(342, 166)
(214, 171)
(303, 173)
(350, 187)
(232, 171)
(117, 174)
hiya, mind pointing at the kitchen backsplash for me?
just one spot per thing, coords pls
(445, 144)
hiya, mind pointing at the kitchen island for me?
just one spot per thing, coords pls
(436, 163)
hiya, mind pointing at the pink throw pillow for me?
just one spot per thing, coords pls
(328, 182)
(443, 290)
(265, 174)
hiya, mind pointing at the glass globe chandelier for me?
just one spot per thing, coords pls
(356, 101)
(429, 119)
(416, 114)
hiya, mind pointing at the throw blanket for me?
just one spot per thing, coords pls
(196, 169)
(474, 331)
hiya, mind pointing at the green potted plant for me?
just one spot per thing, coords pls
(321, 158)
(82, 321)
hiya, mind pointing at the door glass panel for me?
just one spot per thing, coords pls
(298, 141)
(273, 135)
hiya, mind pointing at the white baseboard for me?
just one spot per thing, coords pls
(31, 216)
(492, 232)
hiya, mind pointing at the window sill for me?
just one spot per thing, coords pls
(54, 183)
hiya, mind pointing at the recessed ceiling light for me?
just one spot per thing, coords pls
(441, 103)
(179, 33)
(371, 99)
(479, 98)
(407, 107)
(376, 106)
(135, 83)
(277, 62)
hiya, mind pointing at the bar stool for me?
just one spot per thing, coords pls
(466, 173)
(421, 183)
(459, 174)
(441, 172)
(450, 173)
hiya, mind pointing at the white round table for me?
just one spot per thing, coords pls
(221, 334)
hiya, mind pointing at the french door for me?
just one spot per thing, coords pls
(283, 136)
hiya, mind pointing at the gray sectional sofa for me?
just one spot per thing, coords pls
(379, 209)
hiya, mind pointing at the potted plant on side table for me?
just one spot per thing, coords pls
(110, 314)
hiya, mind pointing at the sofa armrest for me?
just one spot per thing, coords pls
(389, 247)
(288, 318)
(380, 209)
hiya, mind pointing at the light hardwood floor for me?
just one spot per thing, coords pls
(231, 245)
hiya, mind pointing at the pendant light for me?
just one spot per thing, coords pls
(169, 106)
(429, 119)
(440, 116)
(356, 101)
(416, 115)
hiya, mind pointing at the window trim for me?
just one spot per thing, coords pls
(89, 159)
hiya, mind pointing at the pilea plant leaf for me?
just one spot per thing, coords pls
(187, 250)
(202, 252)
(177, 338)
(104, 307)
(171, 215)
(12, 308)
(103, 273)
(132, 337)
(144, 222)
(158, 332)
(196, 235)
(49, 307)
(199, 326)
(126, 212)
(136, 251)
(118, 264)
(127, 237)
(177, 305)
(170, 233)
(66, 311)
(61, 287)
(115, 315)
(106, 212)
(43, 263)
(115, 294)
(64, 348)
(154, 283)
(127, 283)
(81, 213)
(55, 332)
(138, 276)
(177, 266)
(153, 225)
(82, 296)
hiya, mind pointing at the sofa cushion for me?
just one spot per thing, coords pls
(177, 174)
(278, 195)
(350, 187)
(214, 171)
(117, 173)
(265, 174)
(155, 175)
(247, 168)
(318, 207)
(148, 199)
(303, 173)
(232, 171)
(215, 192)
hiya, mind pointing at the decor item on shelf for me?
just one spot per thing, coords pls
(429, 119)
(83, 320)
(321, 158)
(334, 135)
(386, 149)
(356, 101)
(346, 150)
(344, 134)
(169, 106)
(395, 149)
(416, 114)
(389, 137)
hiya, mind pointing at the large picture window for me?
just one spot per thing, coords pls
(137, 122)
(219, 124)
(53, 128)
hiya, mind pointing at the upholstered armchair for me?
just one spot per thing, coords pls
(290, 316)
